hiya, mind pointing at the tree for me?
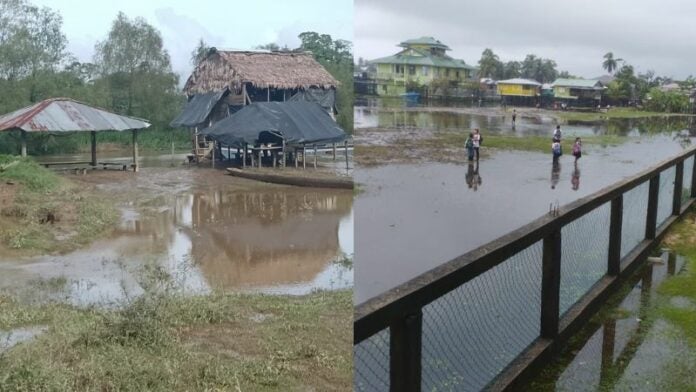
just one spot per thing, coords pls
(489, 65)
(511, 69)
(610, 63)
(199, 52)
(539, 69)
(137, 71)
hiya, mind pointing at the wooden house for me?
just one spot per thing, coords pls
(519, 91)
(578, 92)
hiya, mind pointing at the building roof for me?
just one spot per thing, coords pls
(520, 81)
(197, 109)
(418, 57)
(578, 83)
(67, 115)
(605, 79)
(284, 70)
(296, 122)
(429, 41)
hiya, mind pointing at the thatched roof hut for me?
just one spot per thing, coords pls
(262, 70)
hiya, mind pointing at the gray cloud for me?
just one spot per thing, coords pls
(657, 35)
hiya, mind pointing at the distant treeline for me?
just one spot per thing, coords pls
(131, 74)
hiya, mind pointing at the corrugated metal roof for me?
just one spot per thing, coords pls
(197, 109)
(430, 41)
(520, 81)
(578, 83)
(67, 115)
(422, 58)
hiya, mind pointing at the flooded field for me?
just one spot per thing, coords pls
(206, 230)
(413, 217)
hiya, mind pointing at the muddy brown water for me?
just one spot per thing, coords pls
(208, 231)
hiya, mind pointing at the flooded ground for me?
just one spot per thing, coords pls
(206, 230)
(622, 348)
(413, 217)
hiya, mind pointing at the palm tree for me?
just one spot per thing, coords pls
(489, 64)
(610, 63)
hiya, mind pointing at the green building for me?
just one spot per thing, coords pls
(422, 65)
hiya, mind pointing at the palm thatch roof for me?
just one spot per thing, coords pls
(283, 70)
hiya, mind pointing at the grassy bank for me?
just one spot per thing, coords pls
(448, 147)
(611, 113)
(148, 140)
(41, 212)
(165, 342)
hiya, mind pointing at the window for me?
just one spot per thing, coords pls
(425, 70)
(457, 74)
(399, 69)
(447, 72)
(411, 69)
(384, 88)
(437, 72)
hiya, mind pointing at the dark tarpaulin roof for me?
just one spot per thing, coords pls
(198, 109)
(67, 115)
(325, 98)
(297, 122)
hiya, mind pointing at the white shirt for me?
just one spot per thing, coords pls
(477, 140)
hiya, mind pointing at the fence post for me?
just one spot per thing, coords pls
(651, 218)
(678, 188)
(615, 227)
(551, 284)
(405, 338)
(693, 178)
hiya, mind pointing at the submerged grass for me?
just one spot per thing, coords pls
(163, 342)
(44, 212)
(612, 113)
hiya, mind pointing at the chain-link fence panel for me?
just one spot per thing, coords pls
(635, 212)
(686, 182)
(584, 254)
(371, 363)
(472, 333)
(666, 195)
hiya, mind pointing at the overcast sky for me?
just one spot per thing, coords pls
(231, 24)
(648, 34)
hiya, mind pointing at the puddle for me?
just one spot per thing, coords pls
(11, 338)
(621, 349)
(206, 231)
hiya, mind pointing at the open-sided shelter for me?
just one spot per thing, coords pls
(62, 115)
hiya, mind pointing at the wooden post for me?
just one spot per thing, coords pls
(229, 153)
(304, 156)
(550, 285)
(135, 150)
(212, 155)
(93, 135)
(315, 156)
(23, 140)
(615, 227)
(252, 158)
(285, 156)
(334, 150)
(268, 96)
(345, 144)
(405, 345)
(295, 154)
(244, 152)
(651, 218)
(678, 188)
(693, 178)
(274, 156)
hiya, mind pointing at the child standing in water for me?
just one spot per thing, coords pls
(577, 149)
(469, 144)
(477, 142)
(556, 150)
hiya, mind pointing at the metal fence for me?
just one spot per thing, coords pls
(488, 318)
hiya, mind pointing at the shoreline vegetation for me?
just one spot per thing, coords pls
(42, 212)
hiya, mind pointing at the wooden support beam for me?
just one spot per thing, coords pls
(550, 285)
(615, 227)
(268, 94)
(244, 152)
(23, 140)
(651, 218)
(405, 346)
(678, 188)
(693, 178)
(295, 156)
(212, 154)
(135, 150)
(285, 155)
(93, 135)
(315, 156)
(304, 156)
(334, 150)
(345, 144)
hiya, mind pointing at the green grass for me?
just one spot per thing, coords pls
(612, 113)
(37, 193)
(167, 342)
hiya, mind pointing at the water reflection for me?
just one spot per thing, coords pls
(473, 177)
(269, 238)
(575, 178)
(610, 351)
(555, 173)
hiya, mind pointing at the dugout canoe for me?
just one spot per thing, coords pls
(342, 183)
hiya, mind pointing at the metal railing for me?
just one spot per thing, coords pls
(491, 317)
